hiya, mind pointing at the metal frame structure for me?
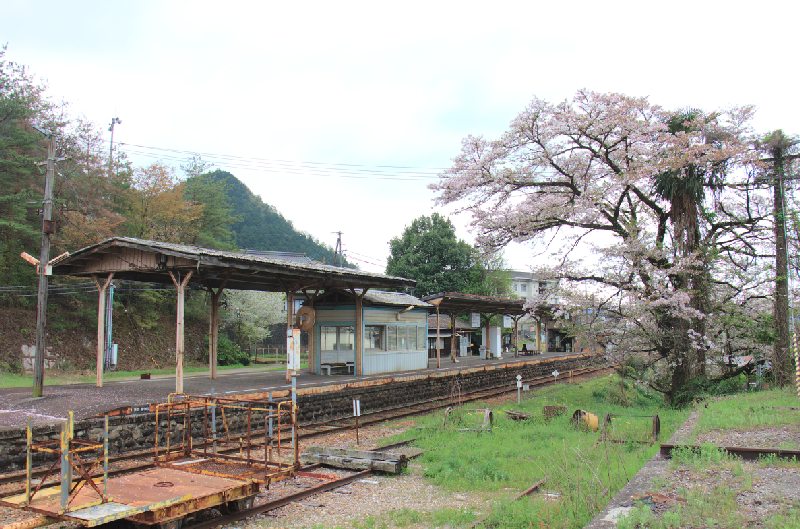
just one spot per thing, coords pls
(206, 459)
(68, 451)
(656, 431)
(188, 477)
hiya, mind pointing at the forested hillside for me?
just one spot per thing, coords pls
(96, 197)
(262, 227)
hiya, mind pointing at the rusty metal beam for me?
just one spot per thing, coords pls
(750, 454)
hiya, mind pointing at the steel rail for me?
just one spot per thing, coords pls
(280, 502)
(297, 496)
(339, 424)
(750, 454)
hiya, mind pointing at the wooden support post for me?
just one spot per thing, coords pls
(438, 341)
(312, 352)
(516, 336)
(453, 354)
(487, 339)
(360, 334)
(213, 328)
(101, 325)
(180, 286)
(538, 336)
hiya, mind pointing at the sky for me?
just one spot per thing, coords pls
(340, 114)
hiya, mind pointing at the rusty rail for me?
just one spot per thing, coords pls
(344, 423)
(750, 454)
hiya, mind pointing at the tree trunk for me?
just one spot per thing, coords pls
(781, 363)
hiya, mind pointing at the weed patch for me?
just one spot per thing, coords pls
(582, 469)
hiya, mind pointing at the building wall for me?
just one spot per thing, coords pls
(386, 360)
(525, 285)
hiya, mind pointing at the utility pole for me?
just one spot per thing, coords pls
(781, 274)
(48, 228)
(114, 121)
(338, 250)
(778, 146)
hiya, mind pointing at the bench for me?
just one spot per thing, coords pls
(349, 366)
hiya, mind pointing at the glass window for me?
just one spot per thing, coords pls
(392, 337)
(412, 338)
(523, 287)
(402, 338)
(422, 337)
(337, 338)
(373, 338)
(327, 338)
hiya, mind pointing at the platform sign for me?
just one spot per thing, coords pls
(476, 319)
(293, 350)
(507, 322)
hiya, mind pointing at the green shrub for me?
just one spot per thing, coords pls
(229, 353)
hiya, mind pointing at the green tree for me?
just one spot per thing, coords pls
(158, 207)
(84, 189)
(429, 252)
(22, 104)
(262, 227)
(216, 219)
(490, 276)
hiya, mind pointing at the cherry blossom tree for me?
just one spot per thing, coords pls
(649, 210)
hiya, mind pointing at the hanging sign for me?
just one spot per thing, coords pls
(476, 319)
(507, 323)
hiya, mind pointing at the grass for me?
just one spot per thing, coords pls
(56, 378)
(714, 508)
(747, 411)
(580, 469)
(715, 504)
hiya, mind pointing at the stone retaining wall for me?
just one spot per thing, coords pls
(137, 432)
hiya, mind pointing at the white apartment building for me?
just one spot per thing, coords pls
(526, 285)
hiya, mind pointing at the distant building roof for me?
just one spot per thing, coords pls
(372, 297)
(444, 323)
(459, 303)
(292, 257)
(394, 298)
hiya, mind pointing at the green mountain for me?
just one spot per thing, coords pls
(262, 227)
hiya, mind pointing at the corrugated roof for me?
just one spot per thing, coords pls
(444, 322)
(247, 272)
(294, 257)
(394, 298)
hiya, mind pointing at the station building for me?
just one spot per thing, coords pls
(393, 326)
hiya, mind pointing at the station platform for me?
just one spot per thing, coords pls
(87, 400)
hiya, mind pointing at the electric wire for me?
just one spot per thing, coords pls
(229, 156)
(379, 172)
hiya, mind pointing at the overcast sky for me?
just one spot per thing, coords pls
(389, 89)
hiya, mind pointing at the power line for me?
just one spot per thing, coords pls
(230, 156)
(366, 256)
(378, 172)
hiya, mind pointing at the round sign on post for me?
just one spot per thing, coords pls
(305, 318)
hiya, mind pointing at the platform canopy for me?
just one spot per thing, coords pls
(454, 302)
(152, 261)
(183, 266)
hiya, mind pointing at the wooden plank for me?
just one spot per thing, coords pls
(393, 467)
(352, 452)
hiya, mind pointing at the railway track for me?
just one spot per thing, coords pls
(310, 430)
